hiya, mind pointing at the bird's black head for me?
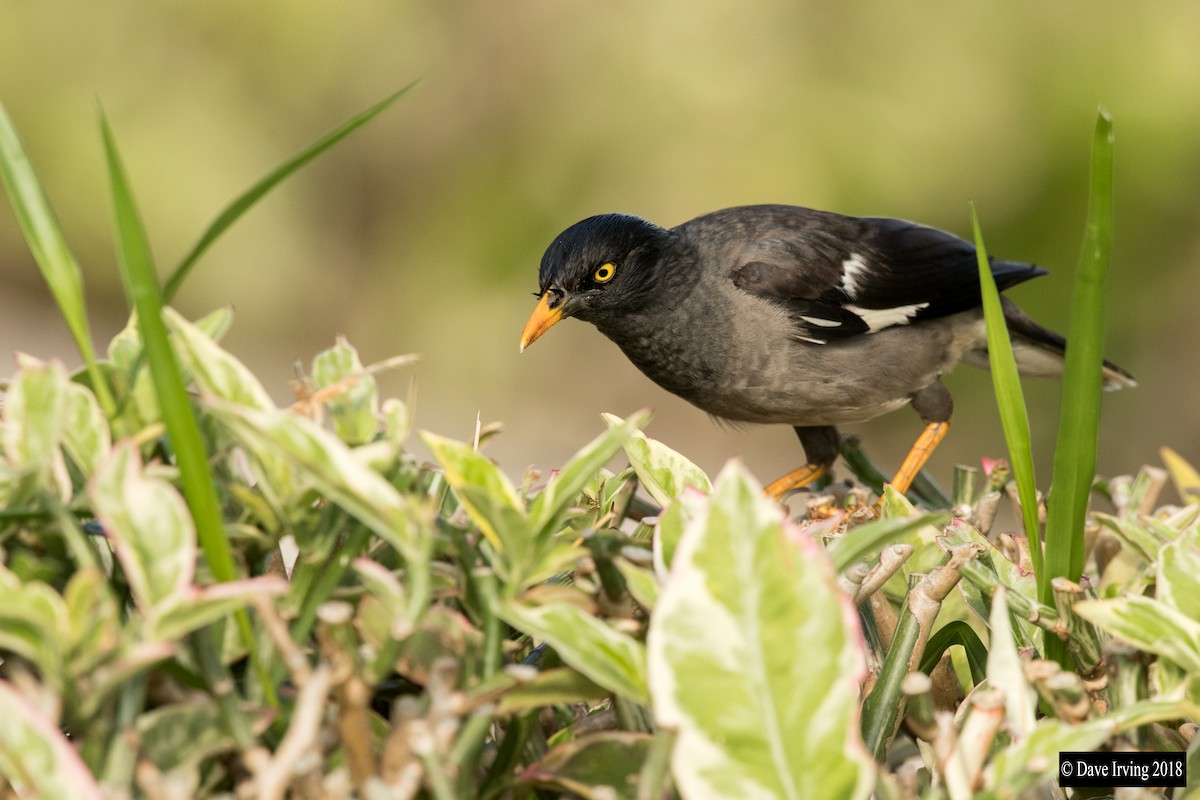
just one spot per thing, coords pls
(602, 266)
(603, 261)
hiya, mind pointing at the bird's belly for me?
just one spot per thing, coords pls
(766, 405)
(799, 383)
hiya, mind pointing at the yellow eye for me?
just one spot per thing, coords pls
(604, 273)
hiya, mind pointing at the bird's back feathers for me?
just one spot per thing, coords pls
(841, 276)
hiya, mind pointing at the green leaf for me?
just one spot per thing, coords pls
(442, 633)
(197, 608)
(35, 756)
(182, 733)
(488, 496)
(1183, 475)
(672, 522)
(641, 583)
(662, 471)
(1149, 625)
(602, 766)
(128, 372)
(245, 201)
(354, 404)
(550, 688)
(133, 382)
(92, 615)
(546, 510)
(746, 595)
(610, 658)
(149, 525)
(1011, 402)
(45, 239)
(216, 323)
(1079, 420)
(384, 586)
(137, 271)
(1178, 574)
(397, 421)
(1135, 533)
(86, 436)
(214, 370)
(1148, 712)
(895, 504)
(34, 623)
(105, 678)
(330, 466)
(34, 413)
(218, 374)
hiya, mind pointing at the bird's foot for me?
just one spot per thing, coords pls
(921, 450)
(796, 479)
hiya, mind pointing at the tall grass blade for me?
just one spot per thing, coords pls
(44, 236)
(183, 432)
(231, 213)
(1010, 400)
(1079, 419)
(137, 271)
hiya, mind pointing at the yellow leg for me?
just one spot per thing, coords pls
(921, 450)
(796, 479)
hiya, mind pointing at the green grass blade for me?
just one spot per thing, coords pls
(248, 198)
(183, 432)
(1009, 398)
(1079, 420)
(137, 270)
(950, 634)
(44, 236)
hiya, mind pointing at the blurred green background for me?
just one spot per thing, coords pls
(423, 232)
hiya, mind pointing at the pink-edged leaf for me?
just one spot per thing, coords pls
(755, 657)
(150, 527)
(199, 607)
(35, 756)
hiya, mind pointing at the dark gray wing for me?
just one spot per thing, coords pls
(844, 276)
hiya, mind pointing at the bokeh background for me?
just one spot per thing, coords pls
(423, 232)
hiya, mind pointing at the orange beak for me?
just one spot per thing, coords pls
(541, 320)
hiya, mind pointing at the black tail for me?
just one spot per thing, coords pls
(1010, 273)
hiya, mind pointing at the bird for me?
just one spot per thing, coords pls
(791, 315)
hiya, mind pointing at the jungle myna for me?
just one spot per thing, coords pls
(776, 313)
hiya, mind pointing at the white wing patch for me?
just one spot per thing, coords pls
(821, 322)
(879, 318)
(854, 271)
